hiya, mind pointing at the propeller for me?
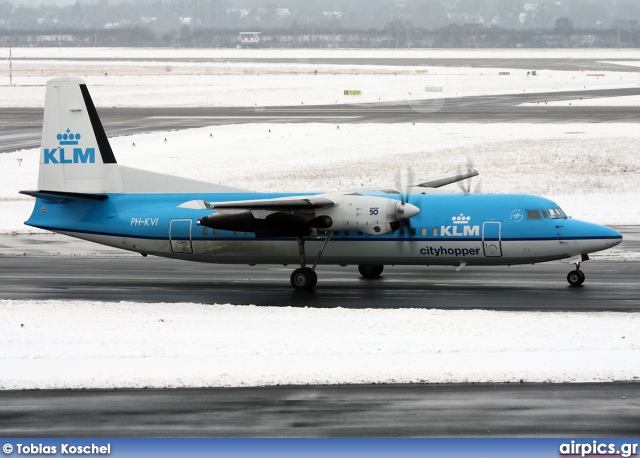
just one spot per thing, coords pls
(465, 186)
(405, 210)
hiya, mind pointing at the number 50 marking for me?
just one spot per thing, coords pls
(373, 210)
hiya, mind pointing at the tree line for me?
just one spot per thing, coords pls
(394, 34)
(331, 23)
(164, 16)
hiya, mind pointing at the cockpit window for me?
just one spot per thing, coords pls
(545, 213)
(556, 213)
(533, 214)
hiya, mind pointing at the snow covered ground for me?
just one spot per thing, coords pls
(50, 344)
(605, 54)
(223, 81)
(134, 84)
(591, 170)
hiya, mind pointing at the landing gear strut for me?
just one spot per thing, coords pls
(576, 277)
(305, 278)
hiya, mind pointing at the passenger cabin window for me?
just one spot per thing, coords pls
(424, 231)
(533, 214)
(434, 231)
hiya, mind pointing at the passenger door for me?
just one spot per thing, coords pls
(491, 239)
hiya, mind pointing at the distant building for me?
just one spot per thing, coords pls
(250, 39)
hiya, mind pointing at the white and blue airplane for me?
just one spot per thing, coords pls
(83, 192)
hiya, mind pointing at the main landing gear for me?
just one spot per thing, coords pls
(370, 270)
(576, 277)
(305, 278)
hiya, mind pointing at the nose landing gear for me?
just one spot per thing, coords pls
(576, 277)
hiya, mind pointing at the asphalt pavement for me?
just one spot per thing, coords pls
(59, 267)
(20, 128)
(447, 410)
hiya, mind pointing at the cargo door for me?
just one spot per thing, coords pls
(180, 236)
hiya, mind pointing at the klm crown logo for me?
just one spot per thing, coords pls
(76, 156)
(68, 138)
(461, 219)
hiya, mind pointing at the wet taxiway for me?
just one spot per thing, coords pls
(21, 128)
(451, 410)
(59, 267)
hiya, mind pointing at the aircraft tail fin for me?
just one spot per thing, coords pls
(76, 157)
(75, 154)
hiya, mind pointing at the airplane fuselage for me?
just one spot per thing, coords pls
(450, 229)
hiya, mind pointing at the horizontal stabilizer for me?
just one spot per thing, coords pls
(59, 196)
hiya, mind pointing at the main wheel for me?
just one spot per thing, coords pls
(370, 270)
(303, 279)
(576, 277)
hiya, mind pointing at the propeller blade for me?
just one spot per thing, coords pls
(478, 187)
(461, 184)
(471, 172)
(410, 181)
(405, 210)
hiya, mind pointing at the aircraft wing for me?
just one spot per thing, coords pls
(304, 215)
(447, 180)
(296, 203)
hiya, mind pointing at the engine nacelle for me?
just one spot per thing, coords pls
(274, 225)
(371, 215)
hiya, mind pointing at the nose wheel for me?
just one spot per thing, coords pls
(576, 277)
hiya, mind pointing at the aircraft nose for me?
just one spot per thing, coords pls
(405, 210)
(607, 237)
(614, 237)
